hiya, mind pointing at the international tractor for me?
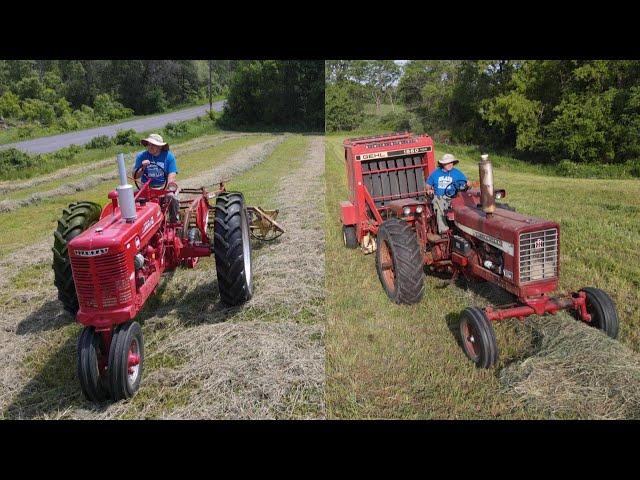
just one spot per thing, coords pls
(390, 212)
(109, 261)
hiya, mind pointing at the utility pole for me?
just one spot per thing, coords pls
(210, 102)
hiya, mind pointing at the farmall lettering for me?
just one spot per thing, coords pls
(91, 253)
(147, 225)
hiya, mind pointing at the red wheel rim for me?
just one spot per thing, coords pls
(470, 339)
(133, 361)
(386, 265)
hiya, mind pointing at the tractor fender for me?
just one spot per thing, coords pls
(348, 213)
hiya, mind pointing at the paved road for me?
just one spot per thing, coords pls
(80, 137)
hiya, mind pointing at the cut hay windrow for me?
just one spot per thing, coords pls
(575, 371)
(240, 367)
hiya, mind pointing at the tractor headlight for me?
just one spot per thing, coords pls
(406, 211)
(419, 209)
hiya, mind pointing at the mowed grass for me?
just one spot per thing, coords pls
(54, 391)
(391, 361)
(29, 224)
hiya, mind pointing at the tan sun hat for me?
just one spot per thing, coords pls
(155, 139)
(447, 158)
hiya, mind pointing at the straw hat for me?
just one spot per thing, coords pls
(447, 158)
(155, 139)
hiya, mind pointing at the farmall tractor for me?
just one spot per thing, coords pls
(108, 262)
(389, 212)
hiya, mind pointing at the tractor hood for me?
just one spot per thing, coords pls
(113, 233)
(501, 228)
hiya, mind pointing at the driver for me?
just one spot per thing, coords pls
(438, 181)
(158, 153)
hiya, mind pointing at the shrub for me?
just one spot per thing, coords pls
(127, 137)
(38, 110)
(107, 108)
(103, 141)
(14, 159)
(10, 105)
(176, 129)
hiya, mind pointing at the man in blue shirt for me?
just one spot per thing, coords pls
(157, 155)
(437, 183)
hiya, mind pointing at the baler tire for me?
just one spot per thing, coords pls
(407, 264)
(93, 385)
(474, 320)
(232, 249)
(603, 311)
(76, 218)
(349, 236)
(121, 384)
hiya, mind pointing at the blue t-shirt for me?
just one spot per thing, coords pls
(440, 179)
(165, 160)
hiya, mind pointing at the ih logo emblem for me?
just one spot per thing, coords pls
(539, 243)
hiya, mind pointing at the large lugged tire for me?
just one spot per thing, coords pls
(478, 338)
(602, 310)
(232, 249)
(399, 262)
(76, 218)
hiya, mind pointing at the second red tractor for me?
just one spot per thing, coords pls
(389, 212)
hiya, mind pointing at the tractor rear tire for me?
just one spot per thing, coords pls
(478, 338)
(399, 262)
(90, 350)
(126, 358)
(602, 310)
(76, 218)
(349, 236)
(232, 249)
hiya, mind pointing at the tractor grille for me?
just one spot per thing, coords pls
(101, 282)
(538, 255)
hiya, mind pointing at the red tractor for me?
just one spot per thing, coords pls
(390, 212)
(107, 262)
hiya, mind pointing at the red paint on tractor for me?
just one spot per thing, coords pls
(520, 253)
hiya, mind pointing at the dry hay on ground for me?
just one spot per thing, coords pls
(248, 368)
(576, 371)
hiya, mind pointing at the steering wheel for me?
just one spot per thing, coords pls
(142, 167)
(453, 188)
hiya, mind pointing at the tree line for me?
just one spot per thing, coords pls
(71, 94)
(276, 94)
(544, 110)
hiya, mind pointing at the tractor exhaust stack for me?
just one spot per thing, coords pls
(486, 185)
(125, 193)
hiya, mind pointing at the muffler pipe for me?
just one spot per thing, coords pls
(487, 199)
(125, 193)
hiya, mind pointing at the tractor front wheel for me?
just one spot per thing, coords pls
(602, 310)
(399, 262)
(232, 249)
(126, 357)
(92, 360)
(349, 236)
(478, 338)
(76, 218)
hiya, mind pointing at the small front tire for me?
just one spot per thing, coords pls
(602, 310)
(126, 358)
(349, 236)
(478, 338)
(92, 359)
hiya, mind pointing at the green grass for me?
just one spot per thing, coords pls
(35, 222)
(391, 361)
